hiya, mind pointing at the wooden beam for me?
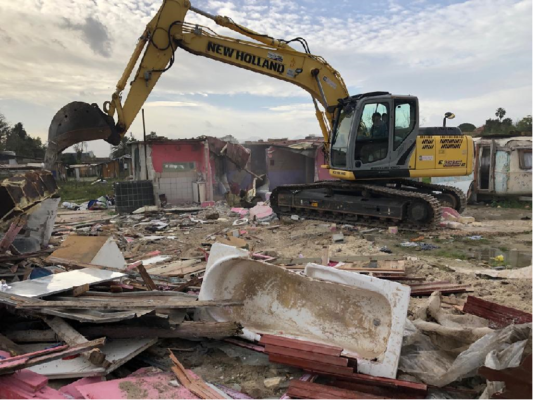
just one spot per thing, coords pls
(12, 348)
(70, 264)
(301, 345)
(32, 336)
(186, 330)
(499, 316)
(146, 277)
(25, 361)
(12, 232)
(128, 304)
(306, 355)
(195, 385)
(72, 337)
(79, 290)
(307, 390)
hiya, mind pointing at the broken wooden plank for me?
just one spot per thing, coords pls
(195, 384)
(499, 316)
(19, 257)
(70, 264)
(196, 281)
(12, 348)
(301, 345)
(245, 344)
(311, 366)
(370, 388)
(307, 390)
(129, 304)
(9, 365)
(14, 228)
(418, 388)
(306, 355)
(117, 353)
(79, 290)
(146, 277)
(72, 337)
(186, 330)
(32, 336)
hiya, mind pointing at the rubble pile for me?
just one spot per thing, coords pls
(215, 301)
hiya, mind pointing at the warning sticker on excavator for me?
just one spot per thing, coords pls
(330, 82)
(451, 163)
(274, 56)
(425, 158)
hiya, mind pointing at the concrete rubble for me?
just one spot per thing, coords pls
(216, 301)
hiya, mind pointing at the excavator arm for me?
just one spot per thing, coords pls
(155, 53)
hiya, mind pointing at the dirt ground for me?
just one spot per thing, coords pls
(503, 232)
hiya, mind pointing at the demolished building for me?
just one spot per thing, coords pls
(190, 170)
(286, 161)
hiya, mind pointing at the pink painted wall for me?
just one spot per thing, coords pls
(183, 152)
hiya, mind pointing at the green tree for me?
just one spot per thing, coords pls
(152, 136)
(80, 148)
(467, 127)
(524, 125)
(500, 113)
(122, 149)
(4, 131)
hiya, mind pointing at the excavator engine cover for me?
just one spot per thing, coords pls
(79, 122)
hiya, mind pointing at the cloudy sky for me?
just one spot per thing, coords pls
(469, 57)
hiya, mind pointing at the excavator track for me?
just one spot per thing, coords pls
(457, 196)
(358, 203)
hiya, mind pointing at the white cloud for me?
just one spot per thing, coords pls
(470, 57)
(170, 104)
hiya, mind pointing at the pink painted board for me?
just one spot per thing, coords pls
(72, 389)
(26, 384)
(137, 387)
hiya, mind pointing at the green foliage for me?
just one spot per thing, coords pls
(500, 113)
(78, 192)
(524, 125)
(467, 127)
(509, 203)
(4, 130)
(16, 139)
(122, 149)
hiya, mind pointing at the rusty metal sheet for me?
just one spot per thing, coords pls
(22, 191)
(236, 153)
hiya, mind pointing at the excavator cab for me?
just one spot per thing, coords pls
(374, 134)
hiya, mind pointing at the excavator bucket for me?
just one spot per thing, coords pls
(78, 122)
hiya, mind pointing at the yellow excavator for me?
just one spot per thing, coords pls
(372, 141)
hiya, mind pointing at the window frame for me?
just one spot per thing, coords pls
(412, 122)
(521, 152)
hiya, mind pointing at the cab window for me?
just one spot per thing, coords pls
(404, 120)
(373, 133)
(339, 146)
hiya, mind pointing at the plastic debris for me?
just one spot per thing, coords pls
(475, 237)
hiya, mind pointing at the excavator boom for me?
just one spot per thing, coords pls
(156, 50)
